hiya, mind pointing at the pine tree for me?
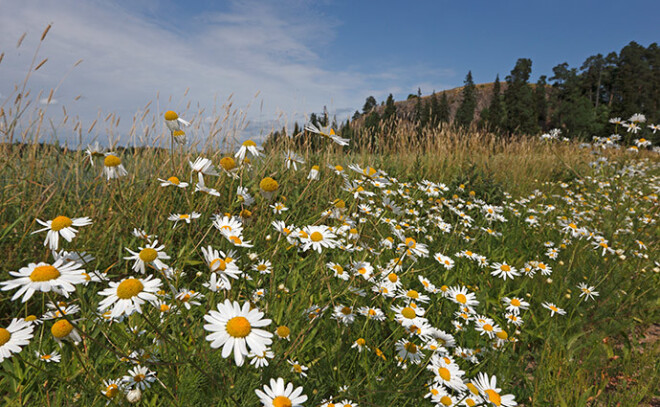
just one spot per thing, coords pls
(465, 112)
(444, 111)
(390, 108)
(434, 111)
(369, 104)
(519, 101)
(495, 116)
(541, 103)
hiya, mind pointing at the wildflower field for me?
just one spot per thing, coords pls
(464, 272)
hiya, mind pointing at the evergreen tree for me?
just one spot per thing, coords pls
(369, 104)
(390, 108)
(434, 111)
(541, 103)
(465, 112)
(519, 101)
(495, 114)
(444, 111)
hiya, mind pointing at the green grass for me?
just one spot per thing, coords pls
(562, 360)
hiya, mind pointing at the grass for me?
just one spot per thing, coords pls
(587, 357)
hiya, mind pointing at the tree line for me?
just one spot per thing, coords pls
(579, 101)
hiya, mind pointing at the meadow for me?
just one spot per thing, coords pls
(466, 270)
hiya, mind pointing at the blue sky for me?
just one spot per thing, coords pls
(282, 60)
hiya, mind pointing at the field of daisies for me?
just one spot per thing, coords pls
(289, 278)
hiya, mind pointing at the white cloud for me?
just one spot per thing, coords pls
(129, 56)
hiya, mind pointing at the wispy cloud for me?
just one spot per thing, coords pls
(130, 55)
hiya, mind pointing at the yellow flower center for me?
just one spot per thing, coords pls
(410, 242)
(61, 328)
(361, 342)
(60, 223)
(281, 401)
(5, 336)
(44, 273)
(461, 298)
(111, 391)
(444, 373)
(339, 168)
(393, 277)
(410, 347)
(236, 240)
(339, 269)
(446, 400)
(283, 331)
(515, 302)
(362, 270)
(238, 327)
(346, 310)
(30, 318)
(164, 307)
(470, 402)
(249, 143)
(221, 264)
(371, 312)
(228, 163)
(315, 167)
(111, 161)
(148, 255)
(174, 180)
(488, 327)
(502, 335)
(297, 368)
(139, 377)
(552, 307)
(493, 397)
(408, 313)
(129, 288)
(178, 133)
(316, 237)
(505, 268)
(170, 115)
(268, 184)
(473, 388)
(412, 294)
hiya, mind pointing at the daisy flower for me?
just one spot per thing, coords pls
(298, 368)
(372, 313)
(151, 254)
(360, 344)
(318, 237)
(408, 351)
(327, 132)
(491, 393)
(408, 316)
(232, 327)
(63, 329)
(139, 377)
(112, 166)
(52, 357)
(93, 150)
(244, 196)
(587, 291)
(412, 248)
(172, 181)
(203, 166)
(60, 277)
(413, 295)
(12, 338)
(261, 360)
(228, 225)
(338, 270)
(111, 388)
(61, 225)
(278, 208)
(220, 265)
(447, 373)
(186, 217)
(313, 173)
(553, 308)
(446, 261)
(277, 395)
(291, 158)
(461, 296)
(515, 305)
(268, 187)
(263, 267)
(504, 270)
(283, 332)
(344, 314)
(248, 146)
(129, 295)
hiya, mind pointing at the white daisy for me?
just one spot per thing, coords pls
(248, 146)
(14, 337)
(60, 277)
(148, 255)
(112, 166)
(318, 237)
(139, 377)
(129, 295)
(232, 327)
(203, 166)
(61, 225)
(52, 357)
(279, 396)
(504, 270)
(172, 181)
(491, 393)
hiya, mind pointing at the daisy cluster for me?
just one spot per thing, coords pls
(399, 275)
